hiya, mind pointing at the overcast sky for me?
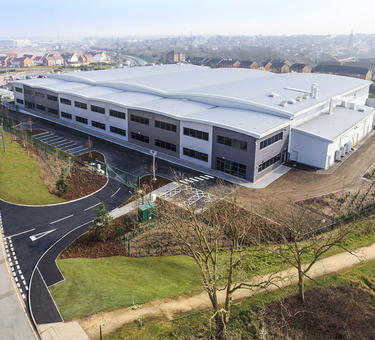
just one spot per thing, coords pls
(172, 17)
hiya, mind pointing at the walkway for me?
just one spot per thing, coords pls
(14, 322)
(170, 308)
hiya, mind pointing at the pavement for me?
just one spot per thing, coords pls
(14, 322)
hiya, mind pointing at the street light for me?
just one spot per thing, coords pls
(100, 327)
(154, 153)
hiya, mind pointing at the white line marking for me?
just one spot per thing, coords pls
(93, 206)
(24, 232)
(38, 236)
(209, 176)
(65, 144)
(205, 177)
(192, 179)
(115, 192)
(61, 219)
(76, 147)
(183, 182)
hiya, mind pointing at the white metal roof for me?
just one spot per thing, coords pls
(329, 127)
(242, 96)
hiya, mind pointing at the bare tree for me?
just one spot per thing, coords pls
(217, 238)
(90, 146)
(302, 238)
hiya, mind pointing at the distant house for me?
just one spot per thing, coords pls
(100, 57)
(38, 60)
(197, 60)
(89, 58)
(342, 70)
(248, 64)
(175, 57)
(70, 58)
(59, 60)
(266, 65)
(212, 62)
(279, 67)
(300, 68)
(226, 63)
(21, 62)
(5, 61)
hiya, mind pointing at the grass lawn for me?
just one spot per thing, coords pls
(19, 177)
(196, 324)
(94, 285)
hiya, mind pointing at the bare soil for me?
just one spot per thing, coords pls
(344, 312)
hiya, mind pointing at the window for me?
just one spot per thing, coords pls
(141, 120)
(97, 109)
(165, 145)
(39, 94)
(19, 101)
(117, 114)
(165, 126)
(29, 92)
(66, 115)
(235, 143)
(271, 140)
(98, 125)
(195, 133)
(117, 130)
(140, 137)
(53, 111)
(230, 167)
(29, 105)
(65, 101)
(40, 107)
(196, 154)
(266, 164)
(81, 120)
(19, 89)
(51, 98)
(80, 105)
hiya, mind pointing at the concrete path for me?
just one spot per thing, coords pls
(14, 322)
(169, 308)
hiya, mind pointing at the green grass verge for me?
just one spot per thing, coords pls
(94, 285)
(196, 324)
(19, 177)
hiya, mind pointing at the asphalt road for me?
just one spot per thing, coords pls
(36, 235)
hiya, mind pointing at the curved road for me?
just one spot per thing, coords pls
(35, 236)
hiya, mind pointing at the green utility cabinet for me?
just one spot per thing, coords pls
(147, 212)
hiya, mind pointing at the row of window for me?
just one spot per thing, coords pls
(230, 167)
(165, 126)
(195, 133)
(80, 105)
(81, 120)
(19, 89)
(117, 114)
(117, 130)
(269, 162)
(98, 125)
(97, 109)
(29, 92)
(195, 154)
(66, 115)
(140, 120)
(51, 98)
(235, 143)
(165, 145)
(271, 140)
(139, 137)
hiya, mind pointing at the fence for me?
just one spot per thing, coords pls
(126, 178)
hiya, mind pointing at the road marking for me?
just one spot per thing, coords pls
(76, 147)
(62, 219)
(65, 144)
(40, 235)
(209, 176)
(24, 232)
(115, 192)
(192, 179)
(183, 182)
(93, 206)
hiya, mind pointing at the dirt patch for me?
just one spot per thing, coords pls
(92, 156)
(344, 312)
(87, 247)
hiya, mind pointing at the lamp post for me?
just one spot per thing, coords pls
(100, 328)
(154, 153)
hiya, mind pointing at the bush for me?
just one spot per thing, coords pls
(102, 225)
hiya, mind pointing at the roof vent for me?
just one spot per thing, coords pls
(299, 99)
(284, 103)
(361, 109)
(314, 90)
(306, 96)
(352, 106)
(273, 95)
(291, 101)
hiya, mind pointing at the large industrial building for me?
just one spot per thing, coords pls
(243, 122)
